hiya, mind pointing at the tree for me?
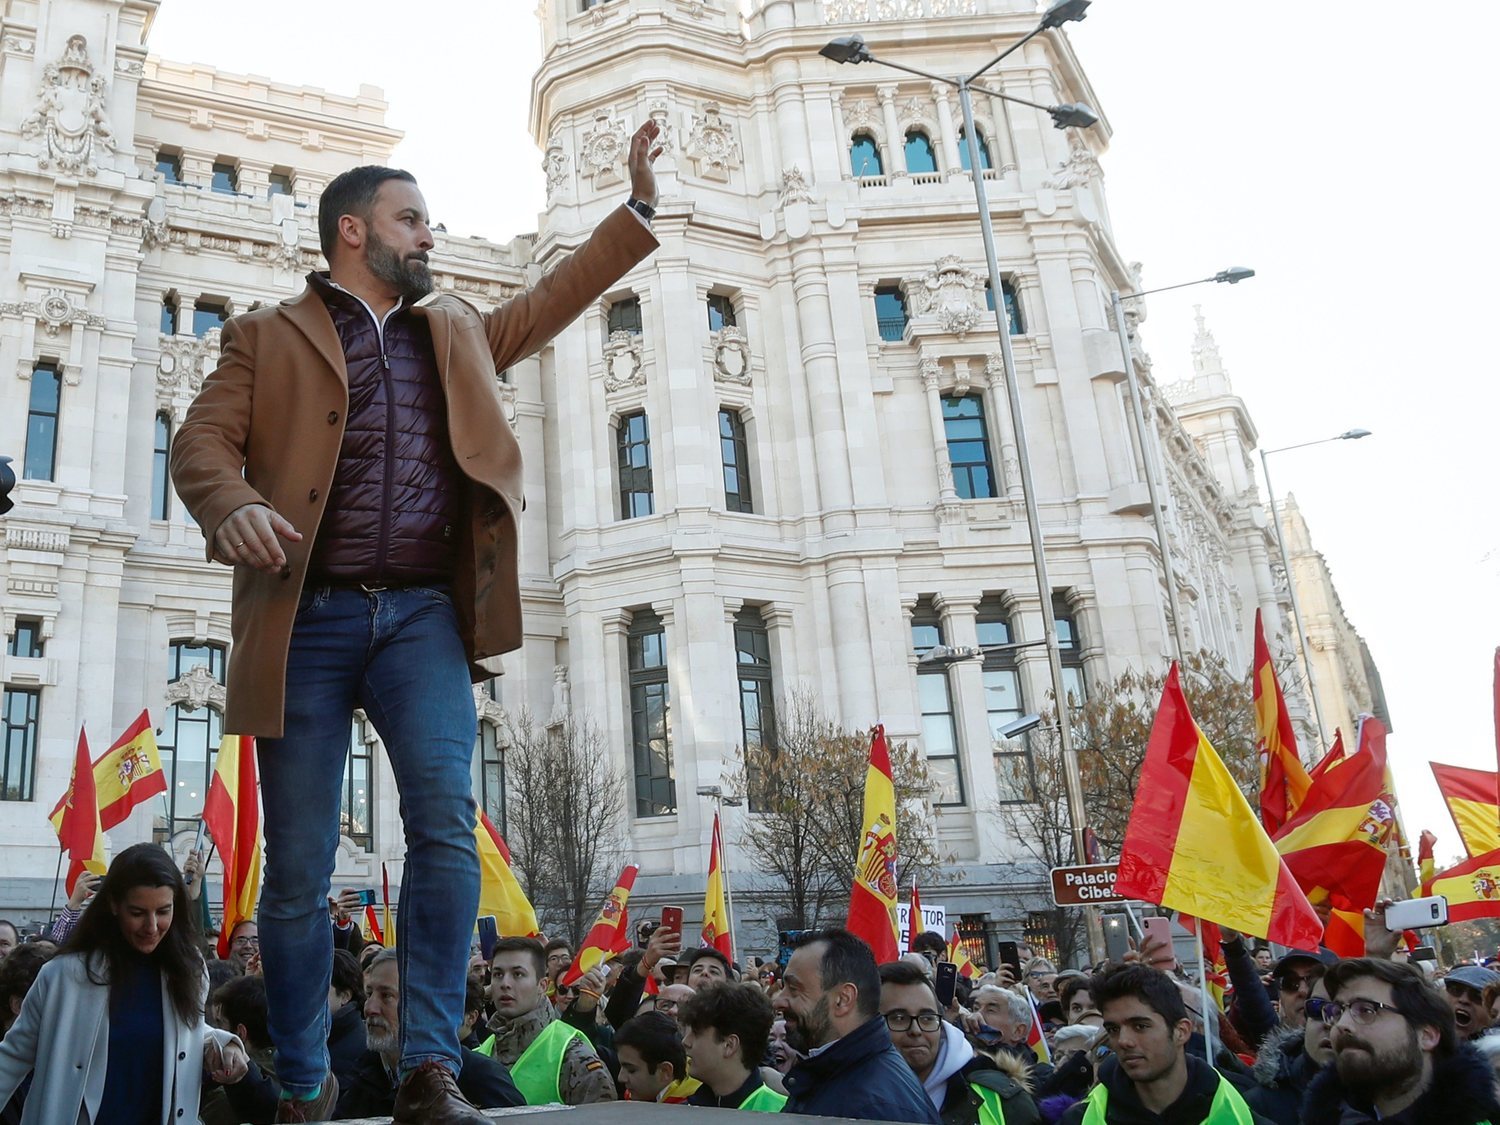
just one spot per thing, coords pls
(806, 788)
(566, 819)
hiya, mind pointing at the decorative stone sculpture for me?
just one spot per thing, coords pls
(1079, 169)
(711, 145)
(69, 119)
(794, 187)
(555, 165)
(604, 149)
(623, 362)
(952, 293)
(731, 356)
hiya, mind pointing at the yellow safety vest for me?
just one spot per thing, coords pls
(764, 1100)
(538, 1072)
(1228, 1107)
(991, 1112)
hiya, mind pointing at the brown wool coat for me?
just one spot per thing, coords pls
(274, 411)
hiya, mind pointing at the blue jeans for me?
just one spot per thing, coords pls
(398, 655)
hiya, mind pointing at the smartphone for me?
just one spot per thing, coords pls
(1160, 930)
(1116, 936)
(1422, 953)
(1010, 954)
(367, 896)
(488, 936)
(1416, 913)
(671, 918)
(946, 983)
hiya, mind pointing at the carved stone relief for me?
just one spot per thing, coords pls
(53, 312)
(604, 149)
(199, 688)
(950, 292)
(1079, 169)
(182, 366)
(69, 121)
(555, 165)
(794, 187)
(711, 144)
(623, 362)
(731, 356)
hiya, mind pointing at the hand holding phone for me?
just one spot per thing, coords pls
(366, 896)
(671, 918)
(1156, 947)
(1416, 913)
(1010, 957)
(946, 984)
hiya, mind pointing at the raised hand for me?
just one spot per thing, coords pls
(643, 151)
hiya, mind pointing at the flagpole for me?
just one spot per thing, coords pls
(52, 911)
(1208, 1035)
(734, 946)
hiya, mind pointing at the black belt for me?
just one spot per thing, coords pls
(371, 587)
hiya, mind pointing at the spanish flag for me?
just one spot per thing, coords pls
(604, 939)
(1473, 800)
(958, 953)
(1283, 780)
(715, 914)
(1331, 760)
(872, 900)
(76, 818)
(129, 772)
(1194, 845)
(499, 892)
(1036, 1037)
(232, 814)
(1472, 888)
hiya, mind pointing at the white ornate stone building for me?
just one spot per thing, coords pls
(778, 455)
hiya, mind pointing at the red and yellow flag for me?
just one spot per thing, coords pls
(1472, 888)
(1283, 780)
(715, 915)
(1331, 760)
(1194, 845)
(232, 814)
(610, 928)
(913, 919)
(388, 928)
(1036, 1037)
(76, 818)
(958, 953)
(1473, 800)
(500, 893)
(1425, 865)
(872, 900)
(129, 773)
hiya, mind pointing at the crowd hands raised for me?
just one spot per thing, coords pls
(1304, 1037)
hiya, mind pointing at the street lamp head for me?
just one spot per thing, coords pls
(1017, 727)
(1070, 115)
(1234, 275)
(1065, 11)
(1353, 435)
(847, 49)
(710, 791)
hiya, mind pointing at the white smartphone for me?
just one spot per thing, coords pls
(1416, 913)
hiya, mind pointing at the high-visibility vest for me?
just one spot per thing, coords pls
(764, 1100)
(1228, 1107)
(538, 1072)
(991, 1112)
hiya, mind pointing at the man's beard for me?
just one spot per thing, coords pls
(1369, 1072)
(410, 276)
(380, 1037)
(806, 1033)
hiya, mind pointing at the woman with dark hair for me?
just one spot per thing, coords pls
(113, 1027)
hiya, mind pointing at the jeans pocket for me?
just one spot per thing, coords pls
(441, 594)
(312, 597)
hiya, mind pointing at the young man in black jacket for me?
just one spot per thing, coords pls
(1289, 1059)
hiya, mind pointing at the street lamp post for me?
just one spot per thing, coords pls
(1233, 276)
(1286, 566)
(720, 801)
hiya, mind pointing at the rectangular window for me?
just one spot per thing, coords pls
(890, 313)
(633, 444)
(354, 802)
(1070, 647)
(41, 422)
(625, 316)
(968, 446)
(1012, 304)
(650, 714)
(161, 485)
(21, 716)
(491, 775)
(184, 656)
(169, 314)
(207, 315)
(752, 645)
(720, 312)
(26, 641)
(939, 731)
(1015, 771)
(226, 178)
(279, 183)
(735, 451)
(169, 164)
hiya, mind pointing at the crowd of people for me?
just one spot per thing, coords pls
(123, 975)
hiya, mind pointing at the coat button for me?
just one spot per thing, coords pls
(448, 531)
(181, 1055)
(313, 495)
(333, 416)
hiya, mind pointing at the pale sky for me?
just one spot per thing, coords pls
(1336, 149)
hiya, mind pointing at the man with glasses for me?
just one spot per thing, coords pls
(1295, 974)
(1150, 1079)
(1290, 1059)
(966, 1086)
(1397, 1055)
(668, 1000)
(244, 941)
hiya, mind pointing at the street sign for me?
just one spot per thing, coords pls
(1091, 884)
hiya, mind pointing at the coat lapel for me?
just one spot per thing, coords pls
(310, 315)
(441, 325)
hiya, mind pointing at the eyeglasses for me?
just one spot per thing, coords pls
(902, 1021)
(665, 1005)
(1317, 1009)
(1363, 1011)
(245, 942)
(1295, 982)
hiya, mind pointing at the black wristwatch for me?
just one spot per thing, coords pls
(641, 208)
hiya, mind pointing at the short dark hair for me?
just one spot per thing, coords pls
(243, 1001)
(1071, 987)
(524, 945)
(654, 1036)
(18, 972)
(348, 976)
(930, 939)
(904, 972)
(731, 1008)
(15, 929)
(557, 943)
(351, 193)
(846, 960)
(1151, 987)
(1419, 1002)
(474, 997)
(692, 957)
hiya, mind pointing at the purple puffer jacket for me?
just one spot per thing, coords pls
(392, 513)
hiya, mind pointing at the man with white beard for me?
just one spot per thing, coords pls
(372, 1091)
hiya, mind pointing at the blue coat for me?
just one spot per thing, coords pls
(861, 1075)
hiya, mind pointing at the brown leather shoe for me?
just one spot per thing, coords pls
(429, 1096)
(320, 1108)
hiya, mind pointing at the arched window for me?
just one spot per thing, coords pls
(864, 156)
(963, 150)
(919, 155)
(161, 488)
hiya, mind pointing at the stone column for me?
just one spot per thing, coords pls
(952, 161)
(1005, 146)
(931, 373)
(999, 404)
(841, 132)
(820, 362)
(895, 141)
